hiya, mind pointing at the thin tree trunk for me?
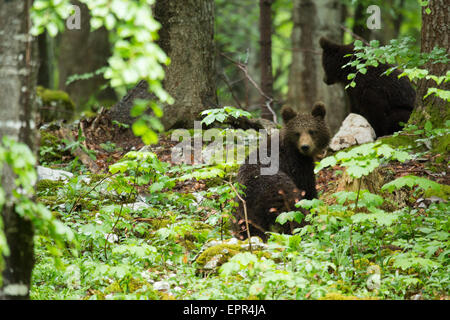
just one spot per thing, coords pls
(45, 70)
(359, 25)
(265, 30)
(313, 19)
(17, 112)
(397, 23)
(435, 33)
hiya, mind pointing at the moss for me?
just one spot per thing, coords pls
(130, 285)
(56, 214)
(97, 177)
(223, 251)
(49, 147)
(436, 114)
(362, 263)
(340, 296)
(442, 144)
(55, 105)
(48, 139)
(82, 203)
(401, 140)
(158, 223)
(443, 193)
(48, 200)
(127, 285)
(49, 185)
(201, 226)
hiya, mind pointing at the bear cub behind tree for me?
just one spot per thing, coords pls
(302, 137)
(384, 100)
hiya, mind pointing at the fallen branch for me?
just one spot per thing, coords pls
(78, 152)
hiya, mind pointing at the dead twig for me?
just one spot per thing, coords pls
(244, 204)
(354, 35)
(244, 69)
(89, 191)
(97, 118)
(229, 85)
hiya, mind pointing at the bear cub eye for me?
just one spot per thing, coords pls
(312, 132)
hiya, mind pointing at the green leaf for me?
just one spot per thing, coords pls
(410, 181)
(157, 186)
(326, 162)
(283, 217)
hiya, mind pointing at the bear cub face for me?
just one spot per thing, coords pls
(308, 133)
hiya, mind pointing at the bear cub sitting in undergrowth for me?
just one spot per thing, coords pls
(384, 100)
(302, 137)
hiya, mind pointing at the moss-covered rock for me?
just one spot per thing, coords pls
(50, 187)
(443, 193)
(340, 296)
(54, 105)
(216, 253)
(215, 256)
(130, 285)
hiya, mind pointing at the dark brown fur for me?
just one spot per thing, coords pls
(383, 100)
(302, 137)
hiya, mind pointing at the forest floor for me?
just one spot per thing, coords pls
(180, 246)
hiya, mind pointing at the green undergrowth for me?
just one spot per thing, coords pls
(143, 232)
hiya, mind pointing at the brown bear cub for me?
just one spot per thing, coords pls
(384, 100)
(302, 137)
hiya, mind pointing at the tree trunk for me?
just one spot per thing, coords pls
(82, 51)
(17, 112)
(265, 31)
(435, 33)
(313, 19)
(187, 37)
(45, 72)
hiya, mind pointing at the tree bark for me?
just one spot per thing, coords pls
(313, 19)
(265, 31)
(187, 37)
(17, 111)
(82, 51)
(435, 33)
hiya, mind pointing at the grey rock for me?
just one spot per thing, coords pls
(52, 174)
(354, 130)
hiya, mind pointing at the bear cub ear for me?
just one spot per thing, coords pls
(319, 110)
(328, 44)
(287, 114)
